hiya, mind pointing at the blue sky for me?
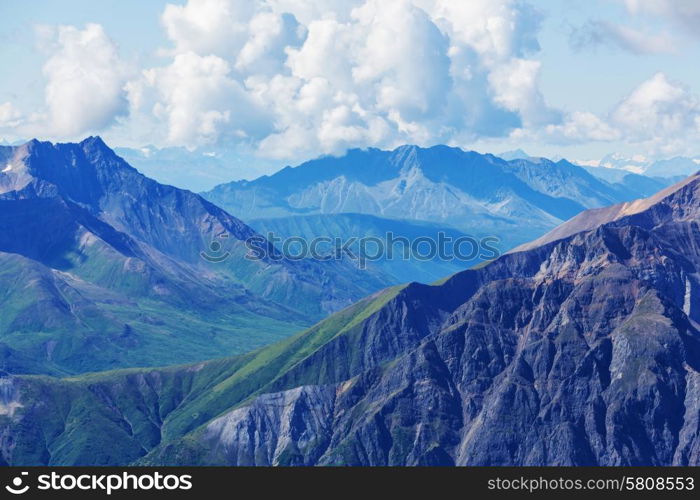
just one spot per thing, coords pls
(602, 75)
(283, 80)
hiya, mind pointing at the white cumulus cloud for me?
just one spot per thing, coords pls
(292, 79)
(658, 109)
(199, 101)
(10, 117)
(217, 27)
(516, 88)
(659, 116)
(85, 81)
(324, 76)
(270, 36)
(581, 126)
(403, 57)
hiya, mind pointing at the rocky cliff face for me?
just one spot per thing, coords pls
(515, 376)
(584, 350)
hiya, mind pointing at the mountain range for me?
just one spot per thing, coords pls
(437, 188)
(102, 268)
(581, 348)
(405, 192)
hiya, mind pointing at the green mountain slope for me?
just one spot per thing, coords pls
(102, 268)
(76, 420)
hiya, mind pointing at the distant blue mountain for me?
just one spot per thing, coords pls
(516, 200)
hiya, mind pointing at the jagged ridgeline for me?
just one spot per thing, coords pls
(580, 349)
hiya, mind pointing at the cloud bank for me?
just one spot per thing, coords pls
(293, 79)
